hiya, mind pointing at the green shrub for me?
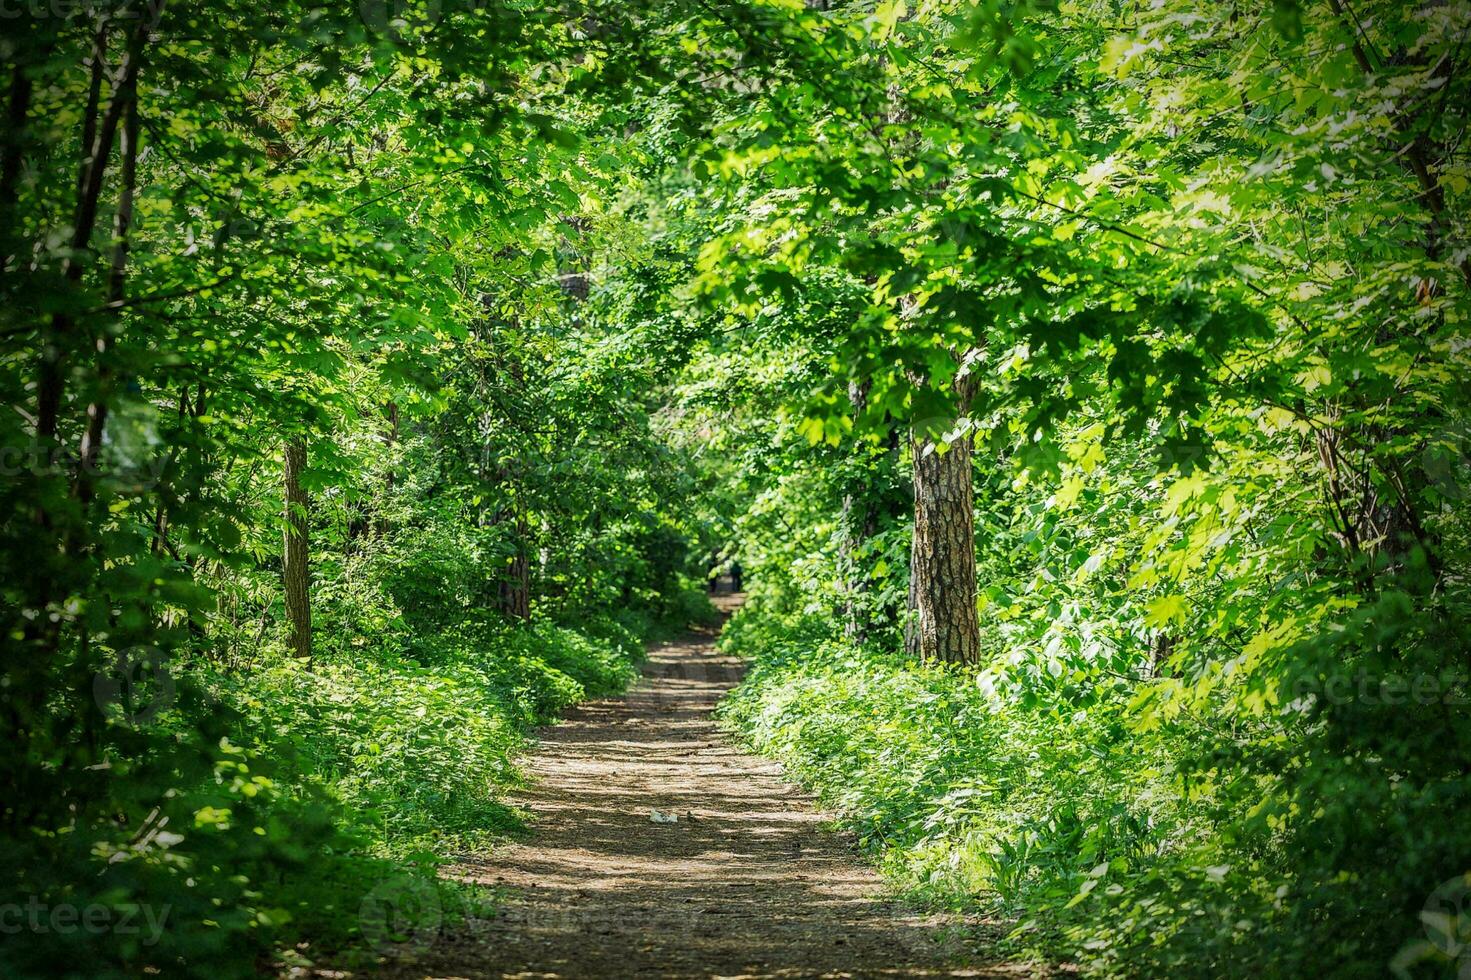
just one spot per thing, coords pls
(1132, 849)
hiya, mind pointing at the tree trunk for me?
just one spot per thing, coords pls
(514, 591)
(17, 115)
(116, 279)
(943, 625)
(51, 379)
(294, 571)
(98, 70)
(1375, 501)
(389, 437)
(857, 523)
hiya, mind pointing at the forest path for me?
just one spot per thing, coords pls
(747, 883)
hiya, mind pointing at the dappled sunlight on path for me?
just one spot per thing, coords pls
(747, 882)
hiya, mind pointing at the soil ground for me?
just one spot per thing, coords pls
(749, 882)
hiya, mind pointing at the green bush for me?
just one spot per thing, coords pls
(1131, 850)
(262, 809)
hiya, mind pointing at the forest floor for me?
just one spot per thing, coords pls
(747, 882)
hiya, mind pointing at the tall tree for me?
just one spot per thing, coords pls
(295, 568)
(857, 523)
(943, 625)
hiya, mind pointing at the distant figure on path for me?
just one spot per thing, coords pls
(735, 576)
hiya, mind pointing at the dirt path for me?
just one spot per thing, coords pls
(747, 883)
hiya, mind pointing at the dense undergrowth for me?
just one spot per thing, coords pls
(379, 377)
(1124, 852)
(963, 803)
(302, 809)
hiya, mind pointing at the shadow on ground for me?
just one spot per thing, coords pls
(747, 883)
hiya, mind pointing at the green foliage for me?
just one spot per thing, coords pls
(360, 234)
(1116, 849)
(1204, 268)
(957, 795)
(565, 305)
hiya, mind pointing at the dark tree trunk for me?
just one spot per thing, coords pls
(116, 279)
(17, 114)
(943, 625)
(98, 69)
(513, 593)
(295, 574)
(96, 149)
(390, 439)
(513, 590)
(1375, 501)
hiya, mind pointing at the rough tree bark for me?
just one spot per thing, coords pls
(295, 574)
(943, 626)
